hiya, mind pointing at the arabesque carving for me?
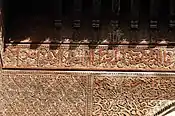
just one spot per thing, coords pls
(52, 93)
(129, 96)
(43, 94)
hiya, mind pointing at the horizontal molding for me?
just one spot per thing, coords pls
(89, 57)
(102, 73)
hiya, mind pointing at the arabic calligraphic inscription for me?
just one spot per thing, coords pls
(85, 57)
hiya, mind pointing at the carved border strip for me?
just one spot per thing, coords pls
(84, 57)
(94, 73)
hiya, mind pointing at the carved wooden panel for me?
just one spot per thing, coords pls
(100, 57)
(51, 93)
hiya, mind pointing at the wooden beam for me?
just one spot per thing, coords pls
(1, 6)
(135, 10)
(77, 7)
(154, 16)
(1, 33)
(172, 14)
(154, 12)
(96, 8)
(115, 21)
(77, 13)
(96, 19)
(77, 19)
(58, 10)
(116, 7)
(116, 12)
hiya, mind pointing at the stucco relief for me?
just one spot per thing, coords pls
(52, 93)
(85, 57)
(129, 96)
(43, 94)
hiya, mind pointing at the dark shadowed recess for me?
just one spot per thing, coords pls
(34, 18)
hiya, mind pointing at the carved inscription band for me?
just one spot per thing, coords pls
(89, 58)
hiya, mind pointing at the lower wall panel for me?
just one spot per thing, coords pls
(52, 93)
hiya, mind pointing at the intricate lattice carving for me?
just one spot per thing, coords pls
(129, 96)
(44, 93)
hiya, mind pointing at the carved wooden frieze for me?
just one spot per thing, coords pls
(52, 93)
(101, 57)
